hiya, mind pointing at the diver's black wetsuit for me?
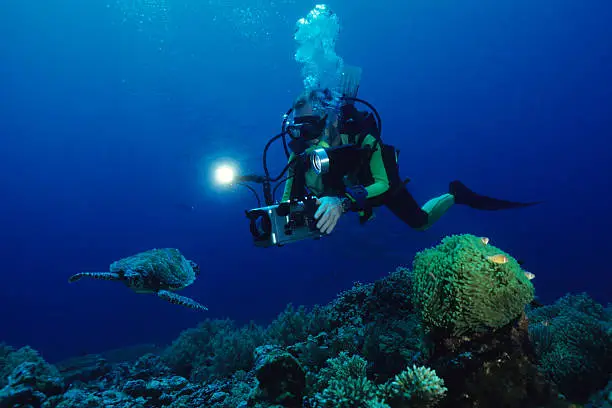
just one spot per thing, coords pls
(381, 181)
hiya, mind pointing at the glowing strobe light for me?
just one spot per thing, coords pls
(225, 174)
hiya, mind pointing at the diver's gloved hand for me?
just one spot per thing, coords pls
(329, 212)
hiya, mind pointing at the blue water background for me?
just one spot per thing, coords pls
(112, 115)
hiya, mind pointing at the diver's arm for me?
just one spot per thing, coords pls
(289, 181)
(287, 192)
(363, 198)
(356, 198)
(377, 168)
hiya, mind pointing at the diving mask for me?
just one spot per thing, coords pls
(303, 130)
(307, 127)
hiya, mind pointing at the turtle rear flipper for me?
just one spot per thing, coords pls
(181, 300)
(94, 275)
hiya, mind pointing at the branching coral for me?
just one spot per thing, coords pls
(416, 387)
(346, 385)
(350, 393)
(295, 325)
(215, 348)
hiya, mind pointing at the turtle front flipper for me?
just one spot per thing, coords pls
(181, 300)
(94, 275)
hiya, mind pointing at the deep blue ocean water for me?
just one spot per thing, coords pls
(113, 113)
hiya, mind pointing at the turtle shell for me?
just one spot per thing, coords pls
(164, 268)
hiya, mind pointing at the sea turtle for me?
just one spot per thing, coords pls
(157, 271)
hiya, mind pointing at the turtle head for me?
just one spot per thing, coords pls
(195, 267)
(133, 279)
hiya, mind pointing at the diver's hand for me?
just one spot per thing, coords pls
(329, 212)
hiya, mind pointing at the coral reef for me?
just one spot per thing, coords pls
(573, 342)
(408, 340)
(30, 379)
(602, 398)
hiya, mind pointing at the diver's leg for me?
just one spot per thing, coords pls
(465, 196)
(436, 208)
(405, 207)
(460, 194)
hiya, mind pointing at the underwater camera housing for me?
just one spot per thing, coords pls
(294, 220)
(285, 222)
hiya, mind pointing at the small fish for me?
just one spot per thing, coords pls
(529, 275)
(498, 259)
(484, 240)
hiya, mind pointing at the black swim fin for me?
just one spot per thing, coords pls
(464, 195)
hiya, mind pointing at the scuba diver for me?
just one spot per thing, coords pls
(322, 120)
